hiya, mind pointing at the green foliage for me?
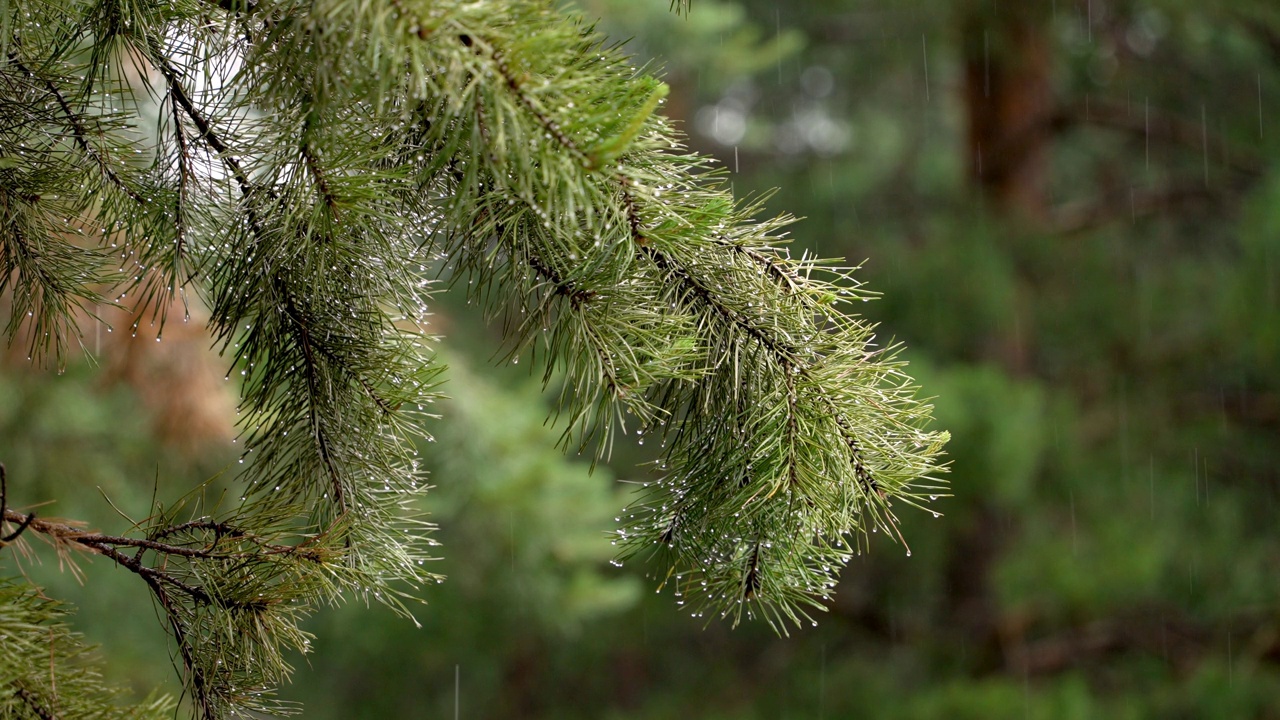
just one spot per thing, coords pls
(502, 469)
(522, 530)
(1107, 370)
(303, 170)
(46, 671)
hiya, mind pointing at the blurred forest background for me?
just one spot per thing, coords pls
(1072, 209)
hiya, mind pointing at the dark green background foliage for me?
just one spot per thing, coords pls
(1094, 304)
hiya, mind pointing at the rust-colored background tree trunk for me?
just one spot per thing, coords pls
(1008, 101)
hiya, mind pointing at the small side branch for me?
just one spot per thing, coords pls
(78, 130)
(787, 357)
(311, 369)
(564, 288)
(550, 126)
(308, 152)
(179, 93)
(789, 281)
(199, 684)
(322, 184)
(109, 546)
(106, 545)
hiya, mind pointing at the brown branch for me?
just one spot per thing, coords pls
(105, 545)
(198, 681)
(225, 530)
(179, 93)
(31, 701)
(220, 529)
(108, 546)
(322, 183)
(1141, 122)
(144, 544)
(78, 130)
(1085, 215)
(148, 573)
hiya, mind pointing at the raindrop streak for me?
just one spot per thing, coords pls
(1230, 669)
(924, 44)
(1204, 137)
(1074, 545)
(1259, 105)
(1151, 473)
(1195, 468)
(457, 685)
(777, 19)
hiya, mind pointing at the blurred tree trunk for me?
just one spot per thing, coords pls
(1007, 102)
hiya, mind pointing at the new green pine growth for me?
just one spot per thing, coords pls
(305, 169)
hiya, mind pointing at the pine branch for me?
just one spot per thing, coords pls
(216, 679)
(357, 142)
(47, 672)
(108, 546)
(785, 355)
(78, 130)
(178, 92)
(602, 171)
(33, 703)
